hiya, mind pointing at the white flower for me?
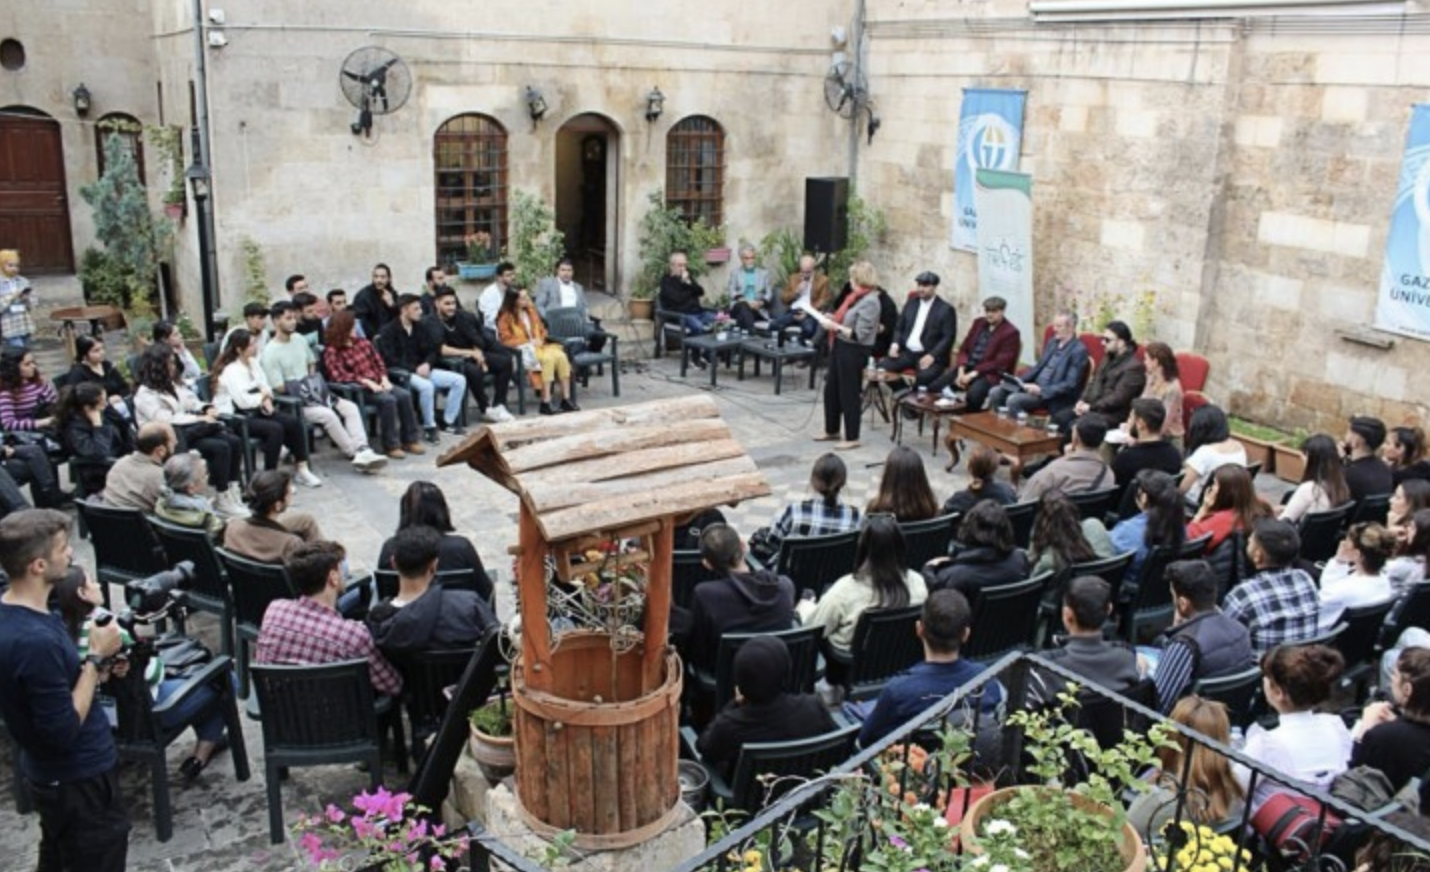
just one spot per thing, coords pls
(1021, 854)
(923, 806)
(1000, 827)
(939, 822)
(999, 868)
(980, 861)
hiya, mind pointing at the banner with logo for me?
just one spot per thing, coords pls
(990, 136)
(1404, 303)
(1005, 246)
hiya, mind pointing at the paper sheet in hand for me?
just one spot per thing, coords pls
(805, 307)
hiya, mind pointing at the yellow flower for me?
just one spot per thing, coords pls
(753, 857)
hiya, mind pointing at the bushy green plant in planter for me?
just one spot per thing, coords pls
(535, 243)
(664, 230)
(134, 239)
(492, 744)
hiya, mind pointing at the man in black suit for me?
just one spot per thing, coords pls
(924, 333)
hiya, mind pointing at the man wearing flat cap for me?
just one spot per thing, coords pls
(1366, 474)
(924, 333)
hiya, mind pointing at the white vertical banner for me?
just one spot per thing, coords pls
(990, 136)
(1404, 303)
(1004, 201)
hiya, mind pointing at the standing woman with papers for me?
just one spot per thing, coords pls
(851, 332)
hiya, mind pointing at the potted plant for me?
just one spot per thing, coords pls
(717, 256)
(535, 244)
(1054, 827)
(381, 832)
(1290, 462)
(492, 744)
(481, 262)
(135, 239)
(1258, 441)
(665, 230)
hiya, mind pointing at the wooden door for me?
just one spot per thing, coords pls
(34, 208)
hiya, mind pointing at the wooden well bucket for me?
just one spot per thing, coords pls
(607, 750)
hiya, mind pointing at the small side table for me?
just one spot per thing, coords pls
(778, 355)
(712, 345)
(95, 315)
(925, 405)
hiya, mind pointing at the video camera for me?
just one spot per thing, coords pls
(160, 592)
(151, 601)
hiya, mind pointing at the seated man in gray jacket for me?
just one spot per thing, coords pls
(561, 291)
(424, 615)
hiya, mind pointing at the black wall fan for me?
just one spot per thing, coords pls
(376, 82)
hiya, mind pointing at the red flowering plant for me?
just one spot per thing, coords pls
(385, 831)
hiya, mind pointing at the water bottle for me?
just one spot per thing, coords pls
(1238, 739)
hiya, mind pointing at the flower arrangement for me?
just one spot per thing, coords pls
(481, 248)
(615, 590)
(722, 323)
(391, 833)
(1199, 849)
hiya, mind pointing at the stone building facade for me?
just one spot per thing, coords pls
(1237, 173)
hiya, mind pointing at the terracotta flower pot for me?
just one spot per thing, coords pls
(641, 310)
(1258, 451)
(1290, 463)
(1134, 857)
(495, 755)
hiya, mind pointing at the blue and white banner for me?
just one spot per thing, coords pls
(1005, 247)
(1404, 302)
(990, 136)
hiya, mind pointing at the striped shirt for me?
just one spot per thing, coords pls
(18, 407)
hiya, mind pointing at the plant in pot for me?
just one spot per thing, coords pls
(665, 230)
(492, 743)
(535, 244)
(1080, 827)
(135, 240)
(1290, 462)
(1258, 441)
(482, 253)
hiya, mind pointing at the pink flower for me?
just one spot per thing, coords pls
(313, 846)
(361, 828)
(438, 864)
(439, 831)
(335, 814)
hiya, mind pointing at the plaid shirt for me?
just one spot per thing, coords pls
(1277, 606)
(813, 518)
(358, 361)
(21, 322)
(306, 631)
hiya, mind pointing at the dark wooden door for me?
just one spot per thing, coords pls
(34, 209)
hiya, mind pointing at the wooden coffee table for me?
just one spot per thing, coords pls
(1004, 435)
(925, 406)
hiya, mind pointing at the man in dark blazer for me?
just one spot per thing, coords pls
(1055, 381)
(924, 333)
(991, 347)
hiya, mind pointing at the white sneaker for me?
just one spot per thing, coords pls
(224, 505)
(948, 394)
(369, 461)
(497, 415)
(306, 478)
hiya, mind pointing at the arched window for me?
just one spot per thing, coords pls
(469, 159)
(695, 169)
(127, 128)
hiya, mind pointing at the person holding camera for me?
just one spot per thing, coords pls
(47, 691)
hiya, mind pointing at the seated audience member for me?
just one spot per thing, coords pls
(741, 601)
(88, 435)
(1229, 505)
(1063, 537)
(1055, 380)
(240, 387)
(1323, 483)
(78, 595)
(310, 322)
(1148, 448)
(1209, 445)
(167, 333)
(1116, 382)
(805, 287)
(27, 399)
(30, 465)
(983, 484)
(1111, 665)
(405, 344)
(338, 301)
(521, 329)
(136, 480)
(268, 535)
(904, 490)
(1366, 474)
(1279, 605)
(561, 291)
(1307, 747)
(943, 628)
(924, 334)
(90, 365)
(680, 294)
(348, 357)
(1159, 523)
(749, 290)
(289, 368)
(987, 556)
(1081, 468)
(1409, 497)
(1394, 736)
(255, 321)
(460, 338)
(1164, 384)
(1404, 453)
(426, 614)
(11, 499)
(881, 580)
(1202, 642)
(184, 500)
(1383, 851)
(990, 348)
(309, 630)
(424, 505)
(1356, 576)
(762, 711)
(820, 516)
(490, 299)
(160, 397)
(1407, 568)
(375, 305)
(1209, 773)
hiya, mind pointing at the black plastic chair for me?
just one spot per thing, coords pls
(426, 675)
(209, 591)
(803, 644)
(1236, 690)
(456, 579)
(1150, 609)
(786, 763)
(565, 325)
(1005, 618)
(1371, 508)
(314, 716)
(815, 562)
(1413, 610)
(1095, 503)
(667, 325)
(252, 586)
(1357, 643)
(925, 540)
(1228, 560)
(1022, 516)
(1321, 532)
(687, 570)
(125, 548)
(140, 733)
(885, 643)
(1110, 569)
(1324, 637)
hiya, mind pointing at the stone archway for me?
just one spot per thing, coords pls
(588, 197)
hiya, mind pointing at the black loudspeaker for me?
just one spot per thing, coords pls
(826, 214)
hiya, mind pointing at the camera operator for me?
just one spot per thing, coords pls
(47, 695)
